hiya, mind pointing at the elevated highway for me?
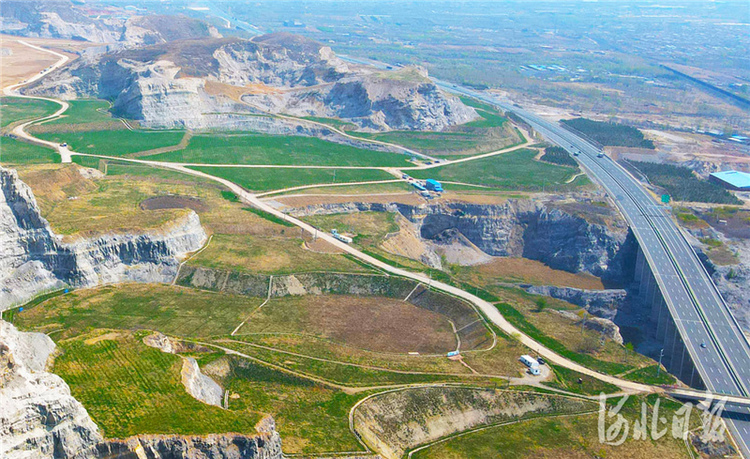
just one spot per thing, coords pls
(708, 348)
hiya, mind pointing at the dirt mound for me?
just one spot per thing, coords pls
(174, 202)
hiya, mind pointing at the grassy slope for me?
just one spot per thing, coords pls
(14, 109)
(171, 310)
(282, 255)
(114, 142)
(266, 179)
(82, 111)
(130, 388)
(14, 151)
(565, 438)
(273, 149)
(516, 170)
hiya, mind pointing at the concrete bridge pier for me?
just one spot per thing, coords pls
(662, 326)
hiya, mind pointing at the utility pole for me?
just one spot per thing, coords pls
(583, 322)
(658, 369)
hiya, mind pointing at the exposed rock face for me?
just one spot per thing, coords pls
(517, 229)
(33, 259)
(397, 421)
(200, 386)
(602, 303)
(39, 418)
(598, 324)
(166, 85)
(377, 102)
(733, 282)
(266, 445)
(62, 19)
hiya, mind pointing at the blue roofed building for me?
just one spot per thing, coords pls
(734, 180)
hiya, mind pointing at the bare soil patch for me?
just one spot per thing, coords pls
(321, 246)
(372, 323)
(174, 202)
(22, 62)
(523, 270)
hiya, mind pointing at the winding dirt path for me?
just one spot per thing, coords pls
(487, 308)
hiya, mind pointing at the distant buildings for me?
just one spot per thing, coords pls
(734, 180)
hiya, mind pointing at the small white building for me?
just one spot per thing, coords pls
(531, 363)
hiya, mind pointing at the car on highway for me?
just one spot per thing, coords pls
(600, 155)
(63, 144)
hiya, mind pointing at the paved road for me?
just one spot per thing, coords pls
(685, 283)
(701, 315)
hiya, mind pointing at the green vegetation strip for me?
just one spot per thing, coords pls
(277, 150)
(131, 389)
(516, 170)
(267, 179)
(681, 183)
(114, 142)
(14, 151)
(611, 134)
(16, 109)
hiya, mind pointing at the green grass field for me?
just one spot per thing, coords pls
(83, 111)
(266, 179)
(114, 142)
(129, 388)
(14, 151)
(310, 418)
(14, 109)
(516, 170)
(269, 255)
(277, 149)
(172, 310)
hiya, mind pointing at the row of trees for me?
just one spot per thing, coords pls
(558, 155)
(682, 184)
(612, 134)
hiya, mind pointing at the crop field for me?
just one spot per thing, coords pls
(561, 437)
(372, 323)
(267, 179)
(129, 388)
(516, 170)
(113, 142)
(491, 131)
(18, 109)
(277, 149)
(14, 151)
(82, 114)
(271, 255)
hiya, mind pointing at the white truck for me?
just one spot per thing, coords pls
(531, 363)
